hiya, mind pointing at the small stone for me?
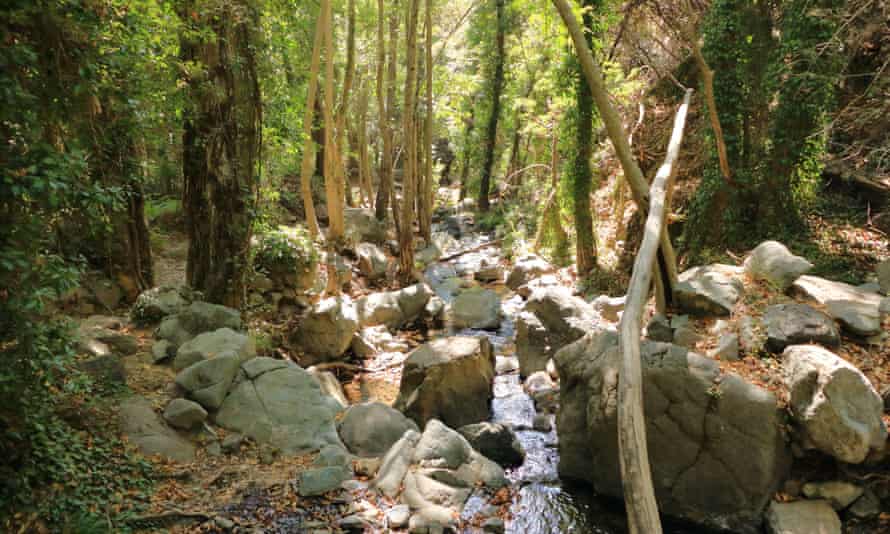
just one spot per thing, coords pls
(267, 455)
(727, 349)
(840, 494)
(232, 443)
(223, 523)
(161, 350)
(541, 423)
(353, 523)
(366, 467)
(659, 329)
(321, 480)
(494, 525)
(185, 414)
(398, 516)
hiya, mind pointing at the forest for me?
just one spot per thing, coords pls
(526, 266)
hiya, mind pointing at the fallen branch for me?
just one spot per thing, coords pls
(469, 250)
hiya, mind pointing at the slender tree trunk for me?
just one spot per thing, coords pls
(427, 222)
(385, 190)
(364, 162)
(497, 86)
(409, 180)
(221, 145)
(465, 168)
(707, 76)
(582, 177)
(550, 223)
(333, 162)
(308, 163)
(343, 169)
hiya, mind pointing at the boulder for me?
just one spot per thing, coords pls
(201, 317)
(208, 345)
(185, 414)
(709, 290)
(564, 315)
(154, 304)
(716, 442)
(106, 371)
(858, 311)
(448, 379)
(795, 324)
(659, 329)
(773, 262)
(834, 405)
(162, 350)
(445, 450)
(476, 308)
(321, 480)
(371, 428)
(372, 261)
(495, 441)
(533, 346)
(526, 269)
(490, 270)
(536, 284)
(883, 272)
(727, 348)
(838, 493)
(146, 430)
(802, 517)
(362, 226)
(284, 407)
(393, 309)
(330, 385)
(395, 464)
(326, 331)
(208, 381)
(609, 308)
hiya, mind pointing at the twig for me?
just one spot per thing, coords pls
(473, 249)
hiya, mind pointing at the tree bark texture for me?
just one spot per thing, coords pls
(309, 161)
(409, 180)
(497, 86)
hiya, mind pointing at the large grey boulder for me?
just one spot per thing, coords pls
(476, 308)
(146, 430)
(326, 331)
(448, 379)
(802, 517)
(208, 381)
(495, 441)
(773, 262)
(858, 311)
(527, 268)
(208, 345)
(533, 346)
(709, 290)
(565, 316)
(362, 225)
(284, 407)
(197, 318)
(395, 464)
(185, 414)
(330, 385)
(834, 405)
(320, 480)
(795, 324)
(371, 428)
(372, 261)
(716, 443)
(154, 304)
(393, 309)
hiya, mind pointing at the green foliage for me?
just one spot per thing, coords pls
(285, 249)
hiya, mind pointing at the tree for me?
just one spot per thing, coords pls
(426, 192)
(409, 180)
(221, 138)
(387, 111)
(309, 116)
(497, 87)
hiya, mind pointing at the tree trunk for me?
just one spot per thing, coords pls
(409, 180)
(427, 222)
(497, 86)
(307, 166)
(221, 143)
(707, 76)
(639, 495)
(468, 133)
(333, 162)
(582, 177)
(364, 161)
(343, 169)
(387, 112)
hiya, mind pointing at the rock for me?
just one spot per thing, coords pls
(533, 347)
(262, 283)
(449, 379)
(353, 523)
(284, 408)
(495, 441)
(537, 284)
(445, 449)
(184, 414)
(527, 268)
(145, 429)
(223, 523)
(857, 311)
(105, 370)
(795, 324)
(802, 517)
(421, 491)
(538, 382)
(371, 428)
(232, 443)
(361, 225)
(366, 467)
(372, 261)
(435, 310)
(393, 308)
(395, 464)
(490, 271)
(106, 293)
(773, 262)
(398, 516)
(154, 304)
(201, 317)
(326, 331)
(883, 271)
(476, 308)
(493, 525)
(659, 329)
(321, 480)
(838, 493)
(427, 255)
(609, 308)
(727, 348)
(564, 315)
(866, 507)
(752, 336)
(716, 442)
(709, 290)
(686, 336)
(541, 423)
(333, 456)
(330, 386)
(504, 365)
(208, 345)
(208, 381)
(161, 350)
(834, 404)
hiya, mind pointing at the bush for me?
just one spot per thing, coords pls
(286, 249)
